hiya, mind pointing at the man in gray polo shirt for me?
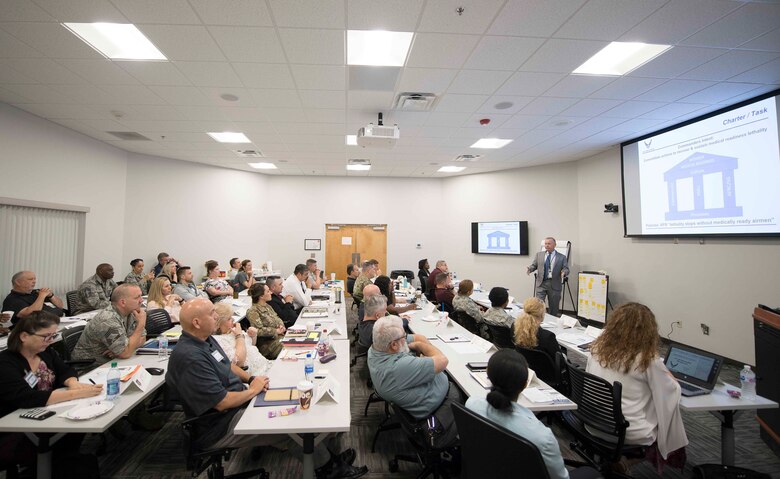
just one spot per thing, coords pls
(417, 384)
(203, 379)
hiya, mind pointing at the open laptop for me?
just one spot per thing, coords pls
(696, 370)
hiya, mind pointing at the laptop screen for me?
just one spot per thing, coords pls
(692, 366)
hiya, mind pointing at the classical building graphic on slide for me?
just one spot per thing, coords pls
(498, 240)
(695, 167)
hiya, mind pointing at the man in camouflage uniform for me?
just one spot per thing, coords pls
(116, 331)
(370, 270)
(95, 291)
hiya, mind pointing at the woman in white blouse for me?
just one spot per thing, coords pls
(161, 297)
(237, 344)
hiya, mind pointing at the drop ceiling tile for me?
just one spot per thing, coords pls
(100, 72)
(529, 83)
(496, 121)
(718, 92)
(447, 119)
(10, 47)
(626, 88)
(155, 73)
(731, 64)
(441, 17)
(83, 11)
(318, 47)
(37, 94)
(151, 112)
(633, 109)
(394, 15)
(184, 42)
(249, 44)
(606, 19)
(174, 12)
(323, 99)
(533, 18)
(638, 126)
(676, 61)
(438, 50)
(768, 73)
(373, 78)
(310, 128)
(23, 11)
(201, 113)
(52, 39)
(746, 95)
(232, 12)
(304, 13)
(369, 100)
(86, 94)
(673, 90)
(426, 80)
(591, 107)
(526, 122)
(478, 81)
(319, 77)
(132, 95)
(407, 118)
(452, 102)
(769, 42)
(240, 114)
(43, 70)
(748, 22)
(286, 115)
(672, 111)
(677, 20)
(267, 75)
(547, 106)
(562, 56)
(518, 102)
(219, 74)
(58, 111)
(276, 98)
(180, 95)
(214, 94)
(578, 86)
(502, 53)
(9, 75)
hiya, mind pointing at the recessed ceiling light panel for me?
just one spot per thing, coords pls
(358, 167)
(378, 47)
(118, 41)
(492, 143)
(619, 58)
(351, 140)
(229, 137)
(262, 166)
(451, 169)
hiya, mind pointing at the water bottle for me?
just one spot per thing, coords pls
(162, 346)
(308, 367)
(323, 346)
(748, 379)
(112, 382)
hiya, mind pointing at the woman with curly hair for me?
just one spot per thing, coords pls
(627, 351)
(529, 332)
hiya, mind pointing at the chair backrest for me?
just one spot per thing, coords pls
(455, 316)
(598, 403)
(72, 298)
(157, 321)
(415, 429)
(489, 450)
(402, 272)
(468, 322)
(543, 365)
(350, 285)
(70, 337)
(501, 336)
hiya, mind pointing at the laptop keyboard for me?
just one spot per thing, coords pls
(688, 387)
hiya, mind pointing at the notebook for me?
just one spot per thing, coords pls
(696, 370)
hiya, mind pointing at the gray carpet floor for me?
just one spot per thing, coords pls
(142, 455)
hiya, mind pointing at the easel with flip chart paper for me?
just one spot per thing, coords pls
(592, 299)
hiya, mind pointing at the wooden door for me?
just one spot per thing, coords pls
(345, 244)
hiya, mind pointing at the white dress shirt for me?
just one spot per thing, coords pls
(294, 288)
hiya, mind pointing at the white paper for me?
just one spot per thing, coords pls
(593, 332)
(464, 348)
(575, 338)
(455, 338)
(482, 345)
(568, 321)
(544, 395)
(346, 240)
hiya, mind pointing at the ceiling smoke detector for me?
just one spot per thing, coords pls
(468, 158)
(248, 153)
(409, 101)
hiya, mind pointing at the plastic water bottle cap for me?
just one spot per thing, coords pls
(113, 364)
(308, 355)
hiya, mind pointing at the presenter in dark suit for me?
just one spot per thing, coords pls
(553, 268)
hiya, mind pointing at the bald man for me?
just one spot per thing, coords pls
(204, 380)
(116, 331)
(24, 299)
(95, 291)
(369, 290)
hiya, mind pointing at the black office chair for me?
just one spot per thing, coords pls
(209, 460)
(501, 336)
(65, 347)
(550, 370)
(599, 408)
(350, 285)
(490, 450)
(157, 322)
(428, 452)
(72, 298)
(469, 323)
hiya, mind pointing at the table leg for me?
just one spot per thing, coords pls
(308, 455)
(727, 438)
(43, 443)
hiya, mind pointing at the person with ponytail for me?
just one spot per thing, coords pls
(508, 372)
(529, 332)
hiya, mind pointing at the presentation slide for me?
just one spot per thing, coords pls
(499, 237)
(718, 175)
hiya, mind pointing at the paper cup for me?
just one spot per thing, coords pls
(5, 319)
(333, 276)
(305, 393)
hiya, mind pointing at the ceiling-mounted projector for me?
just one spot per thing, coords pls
(378, 136)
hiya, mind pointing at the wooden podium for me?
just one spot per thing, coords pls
(766, 329)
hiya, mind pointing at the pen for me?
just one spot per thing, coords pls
(93, 382)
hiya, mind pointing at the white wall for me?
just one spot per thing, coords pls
(304, 205)
(717, 283)
(194, 212)
(43, 161)
(545, 196)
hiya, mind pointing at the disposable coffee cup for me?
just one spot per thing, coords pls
(6, 318)
(305, 393)
(333, 276)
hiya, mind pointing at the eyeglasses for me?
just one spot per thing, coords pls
(400, 337)
(48, 337)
